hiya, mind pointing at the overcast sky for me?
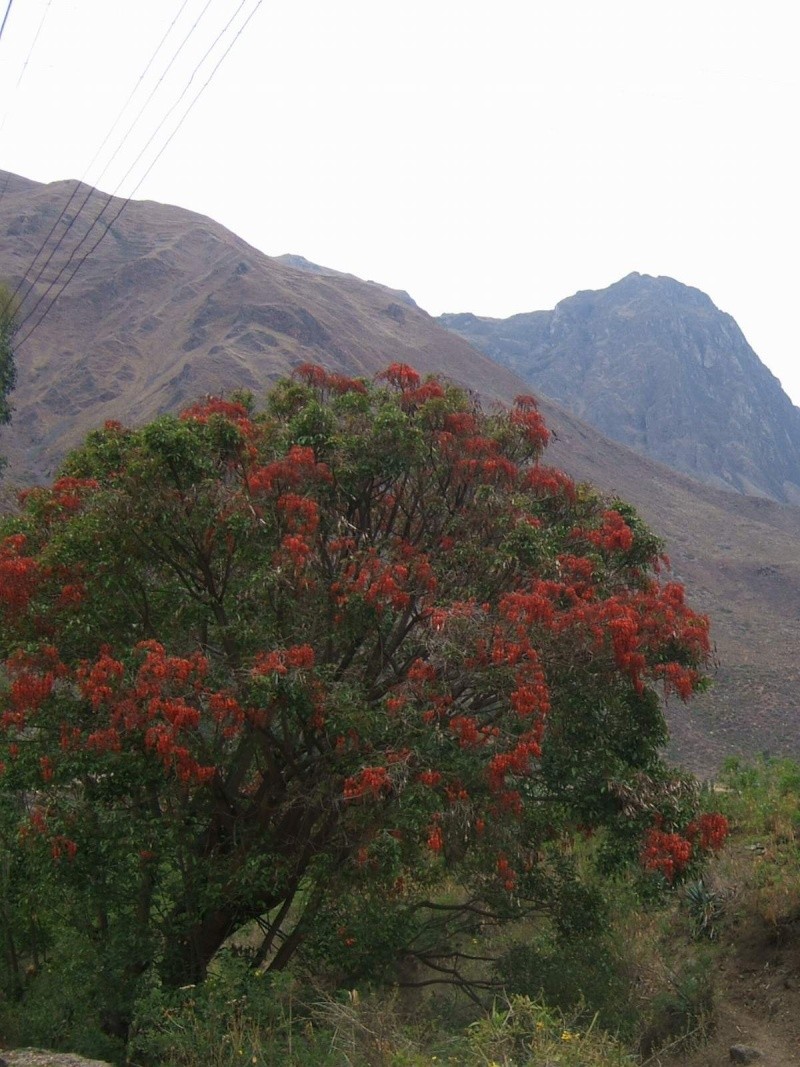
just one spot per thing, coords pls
(492, 157)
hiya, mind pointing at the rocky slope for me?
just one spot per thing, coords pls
(654, 364)
(172, 306)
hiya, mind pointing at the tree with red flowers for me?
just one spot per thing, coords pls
(257, 666)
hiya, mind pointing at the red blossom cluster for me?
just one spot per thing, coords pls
(401, 376)
(544, 481)
(430, 390)
(298, 467)
(666, 853)
(62, 847)
(516, 762)
(429, 778)
(19, 574)
(33, 676)
(526, 417)
(370, 782)
(435, 838)
(636, 624)
(507, 875)
(38, 828)
(282, 660)
(71, 595)
(97, 681)
(300, 513)
(613, 536)
(320, 379)
(217, 407)
(709, 832)
(383, 583)
(476, 459)
(669, 854)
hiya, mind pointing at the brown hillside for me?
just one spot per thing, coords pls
(172, 306)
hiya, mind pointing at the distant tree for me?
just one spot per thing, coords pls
(262, 667)
(8, 326)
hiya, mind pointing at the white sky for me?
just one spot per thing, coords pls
(490, 156)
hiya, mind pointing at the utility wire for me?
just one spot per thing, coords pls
(110, 196)
(5, 18)
(19, 80)
(132, 93)
(125, 202)
(30, 50)
(40, 272)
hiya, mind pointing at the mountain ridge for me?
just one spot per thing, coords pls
(654, 364)
(172, 306)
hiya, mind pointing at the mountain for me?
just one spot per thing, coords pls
(172, 306)
(655, 365)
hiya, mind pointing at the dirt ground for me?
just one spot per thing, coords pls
(758, 1003)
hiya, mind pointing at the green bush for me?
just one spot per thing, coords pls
(66, 1004)
(237, 1016)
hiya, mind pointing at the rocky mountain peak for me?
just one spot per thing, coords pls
(653, 363)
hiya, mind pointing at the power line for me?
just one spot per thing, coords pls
(33, 45)
(5, 18)
(139, 81)
(2, 27)
(110, 196)
(19, 80)
(40, 272)
(158, 155)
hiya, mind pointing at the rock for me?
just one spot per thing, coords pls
(36, 1057)
(744, 1054)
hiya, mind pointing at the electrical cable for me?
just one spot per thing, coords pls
(30, 50)
(128, 199)
(5, 18)
(110, 196)
(40, 272)
(19, 80)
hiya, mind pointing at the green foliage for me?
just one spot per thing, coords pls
(580, 975)
(704, 907)
(237, 1016)
(8, 374)
(67, 1004)
(523, 1032)
(681, 1015)
(762, 801)
(354, 669)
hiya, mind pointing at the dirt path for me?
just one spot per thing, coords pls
(759, 1006)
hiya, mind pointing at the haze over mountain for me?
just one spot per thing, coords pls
(171, 306)
(655, 365)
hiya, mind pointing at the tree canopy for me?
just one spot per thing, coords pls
(301, 667)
